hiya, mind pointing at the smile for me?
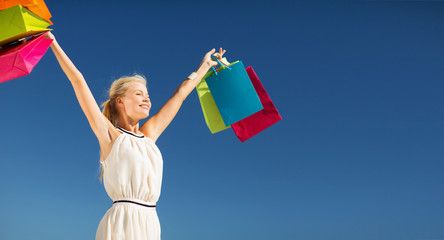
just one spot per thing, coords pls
(144, 106)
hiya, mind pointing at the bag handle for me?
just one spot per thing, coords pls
(221, 63)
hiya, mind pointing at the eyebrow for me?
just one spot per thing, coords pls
(138, 90)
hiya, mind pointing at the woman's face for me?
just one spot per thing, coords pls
(136, 103)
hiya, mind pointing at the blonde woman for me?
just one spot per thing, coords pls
(131, 162)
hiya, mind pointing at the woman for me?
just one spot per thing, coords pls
(131, 162)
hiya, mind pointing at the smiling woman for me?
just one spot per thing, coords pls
(131, 163)
(118, 89)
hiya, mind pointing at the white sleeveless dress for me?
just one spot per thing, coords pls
(132, 171)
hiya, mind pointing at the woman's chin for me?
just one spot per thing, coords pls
(146, 114)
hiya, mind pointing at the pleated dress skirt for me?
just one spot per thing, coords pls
(129, 221)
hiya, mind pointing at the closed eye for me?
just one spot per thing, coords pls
(139, 93)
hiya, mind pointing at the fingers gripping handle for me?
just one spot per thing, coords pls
(221, 63)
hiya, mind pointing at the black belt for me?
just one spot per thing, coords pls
(141, 204)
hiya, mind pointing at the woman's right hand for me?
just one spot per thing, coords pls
(49, 35)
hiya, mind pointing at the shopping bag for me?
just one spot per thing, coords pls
(252, 125)
(211, 114)
(38, 7)
(234, 93)
(19, 59)
(18, 22)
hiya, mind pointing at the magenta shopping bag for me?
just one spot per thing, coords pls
(252, 125)
(19, 59)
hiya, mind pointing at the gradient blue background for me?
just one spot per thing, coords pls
(358, 154)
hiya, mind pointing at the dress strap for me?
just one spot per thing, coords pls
(131, 133)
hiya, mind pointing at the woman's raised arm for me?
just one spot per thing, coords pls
(98, 122)
(154, 127)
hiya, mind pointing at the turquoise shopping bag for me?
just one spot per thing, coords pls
(234, 94)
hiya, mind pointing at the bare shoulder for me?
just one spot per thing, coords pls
(148, 131)
(107, 141)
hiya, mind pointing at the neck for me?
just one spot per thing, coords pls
(129, 127)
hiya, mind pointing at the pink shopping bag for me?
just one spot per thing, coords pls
(252, 125)
(19, 59)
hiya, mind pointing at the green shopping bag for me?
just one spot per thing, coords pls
(18, 22)
(36, 6)
(211, 114)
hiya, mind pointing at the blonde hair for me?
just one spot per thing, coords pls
(118, 89)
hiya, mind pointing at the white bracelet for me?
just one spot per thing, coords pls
(192, 76)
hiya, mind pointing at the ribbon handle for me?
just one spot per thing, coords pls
(221, 63)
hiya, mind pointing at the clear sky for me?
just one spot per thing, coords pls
(358, 154)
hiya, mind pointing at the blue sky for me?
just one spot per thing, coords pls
(358, 154)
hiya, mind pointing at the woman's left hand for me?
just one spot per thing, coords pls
(208, 61)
